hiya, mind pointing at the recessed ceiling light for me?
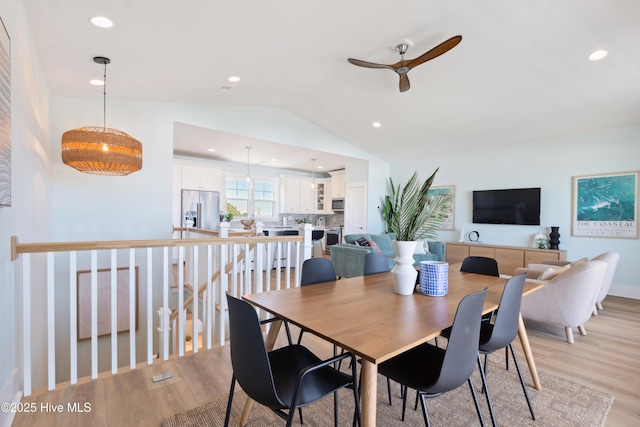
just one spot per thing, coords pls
(234, 79)
(376, 124)
(274, 160)
(598, 55)
(211, 150)
(320, 167)
(97, 82)
(101, 22)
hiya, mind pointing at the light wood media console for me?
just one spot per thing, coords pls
(509, 257)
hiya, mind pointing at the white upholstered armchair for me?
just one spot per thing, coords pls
(567, 299)
(611, 258)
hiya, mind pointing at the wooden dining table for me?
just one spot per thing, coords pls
(366, 317)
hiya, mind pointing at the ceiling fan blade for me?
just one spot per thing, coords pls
(404, 83)
(436, 51)
(368, 64)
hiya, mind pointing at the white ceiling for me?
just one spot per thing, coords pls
(520, 72)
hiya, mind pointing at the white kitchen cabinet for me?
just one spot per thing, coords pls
(337, 184)
(297, 196)
(323, 197)
(307, 197)
(201, 178)
(290, 200)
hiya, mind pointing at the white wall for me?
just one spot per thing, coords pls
(29, 214)
(88, 207)
(549, 164)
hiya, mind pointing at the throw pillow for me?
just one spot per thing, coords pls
(422, 247)
(362, 242)
(419, 249)
(551, 273)
(375, 246)
(576, 262)
(385, 243)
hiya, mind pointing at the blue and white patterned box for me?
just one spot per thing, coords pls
(434, 278)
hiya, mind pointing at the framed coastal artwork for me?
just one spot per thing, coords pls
(5, 116)
(447, 224)
(605, 205)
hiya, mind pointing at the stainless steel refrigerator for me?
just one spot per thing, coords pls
(201, 209)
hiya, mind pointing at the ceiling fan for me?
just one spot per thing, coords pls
(403, 66)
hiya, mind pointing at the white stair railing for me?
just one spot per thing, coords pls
(130, 288)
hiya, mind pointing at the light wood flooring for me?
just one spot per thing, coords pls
(608, 358)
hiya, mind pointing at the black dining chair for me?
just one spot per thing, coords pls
(375, 262)
(284, 379)
(432, 370)
(502, 332)
(316, 270)
(480, 265)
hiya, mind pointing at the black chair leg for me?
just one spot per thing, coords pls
(425, 413)
(389, 389)
(524, 387)
(405, 391)
(475, 401)
(357, 419)
(335, 408)
(506, 358)
(485, 389)
(229, 401)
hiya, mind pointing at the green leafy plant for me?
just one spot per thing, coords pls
(409, 211)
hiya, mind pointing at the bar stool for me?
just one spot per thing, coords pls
(316, 239)
(283, 246)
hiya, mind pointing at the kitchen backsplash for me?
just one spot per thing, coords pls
(333, 220)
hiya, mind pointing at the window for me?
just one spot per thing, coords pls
(237, 197)
(264, 197)
(241, 201)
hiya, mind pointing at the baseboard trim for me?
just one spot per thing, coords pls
(11, 394)
(626, 291)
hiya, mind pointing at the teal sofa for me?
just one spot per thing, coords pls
(348, 257)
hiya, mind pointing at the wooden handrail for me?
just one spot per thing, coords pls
(228, 268)
(21, 248)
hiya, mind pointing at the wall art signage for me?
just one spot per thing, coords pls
(5, 116)
(605, 205)
(447, 224)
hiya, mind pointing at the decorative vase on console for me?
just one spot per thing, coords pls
(554, 238)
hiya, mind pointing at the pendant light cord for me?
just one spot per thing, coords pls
(104, 98)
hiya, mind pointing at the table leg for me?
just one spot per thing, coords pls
(524, 340)
(369, 388)
(269, 343)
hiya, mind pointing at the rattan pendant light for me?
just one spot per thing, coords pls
(101, 150)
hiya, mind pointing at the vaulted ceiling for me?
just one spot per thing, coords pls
(520, 73)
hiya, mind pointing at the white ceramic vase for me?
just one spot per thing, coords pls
(404, 274)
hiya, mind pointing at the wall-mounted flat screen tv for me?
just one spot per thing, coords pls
(519, 206)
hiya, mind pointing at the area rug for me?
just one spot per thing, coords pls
(559, 403)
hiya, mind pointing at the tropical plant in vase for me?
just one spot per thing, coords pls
(412, 214)
(409, 211)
